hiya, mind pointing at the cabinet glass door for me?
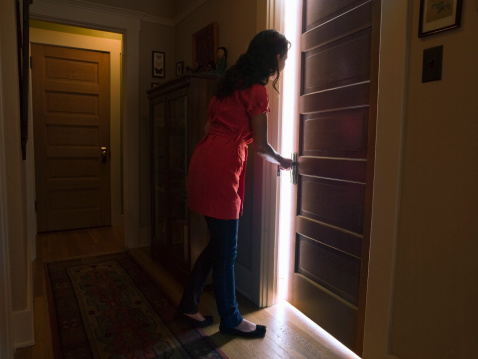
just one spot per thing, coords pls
(177, 172)
(159, 171)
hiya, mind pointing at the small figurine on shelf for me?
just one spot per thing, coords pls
(193, 69)
(221, 56)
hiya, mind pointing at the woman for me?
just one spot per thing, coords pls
(237, 114)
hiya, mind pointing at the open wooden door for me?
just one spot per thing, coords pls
(71, 117)
(328, 274)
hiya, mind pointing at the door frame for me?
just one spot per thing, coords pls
(113, 47)
(392, 75)
(269, 16)
(391, 112)
(129, 27)
(6, 314)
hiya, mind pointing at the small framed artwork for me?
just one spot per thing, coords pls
(179, 68)
(439, 15)
(159, 64)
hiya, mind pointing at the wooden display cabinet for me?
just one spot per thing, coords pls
(178, 113)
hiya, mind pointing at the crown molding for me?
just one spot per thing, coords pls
(108, 9)
(111, 10)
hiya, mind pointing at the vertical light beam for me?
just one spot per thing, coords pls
(288, 130)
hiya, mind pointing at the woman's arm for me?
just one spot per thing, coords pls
(261, 144)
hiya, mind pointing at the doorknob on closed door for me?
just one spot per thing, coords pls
(104, 154)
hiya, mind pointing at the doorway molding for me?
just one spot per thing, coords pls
(391, 113)
(72, 37)
(270, 15)
(6, 315)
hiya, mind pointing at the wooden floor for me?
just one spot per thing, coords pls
(289, 334)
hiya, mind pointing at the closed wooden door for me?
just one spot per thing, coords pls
(328, 276)
(71, 134)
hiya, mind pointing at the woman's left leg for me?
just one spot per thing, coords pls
(224, 241)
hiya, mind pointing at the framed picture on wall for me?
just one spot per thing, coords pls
(159, 64)
(439, 15)
(204, 48)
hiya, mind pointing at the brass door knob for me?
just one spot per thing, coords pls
(103, 154)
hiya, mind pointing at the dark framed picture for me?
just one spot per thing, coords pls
(439, 15)
(179, 68)
(159, 64)
(205, 48)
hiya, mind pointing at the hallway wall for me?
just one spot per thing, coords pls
(435, 294)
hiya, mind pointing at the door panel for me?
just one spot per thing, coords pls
(332, 99)
(331, 268)
(352, 170)
(332, 30)
(336, 314)
(332, 201)
(346, 241)
(71, 125)
(335, 165)
(338, 63)
(318, 12)
(338, 133)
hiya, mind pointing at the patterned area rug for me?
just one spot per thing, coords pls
(108, 307)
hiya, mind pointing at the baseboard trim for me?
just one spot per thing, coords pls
(144, 237)
(23, 320)
(23, 328)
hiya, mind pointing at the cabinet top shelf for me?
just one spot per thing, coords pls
(178, 82)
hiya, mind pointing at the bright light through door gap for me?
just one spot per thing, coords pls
(289, 110)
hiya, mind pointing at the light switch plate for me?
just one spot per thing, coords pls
(432, 64)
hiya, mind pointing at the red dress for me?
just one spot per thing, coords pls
(217, 170)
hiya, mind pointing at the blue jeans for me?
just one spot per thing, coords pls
(219, 257)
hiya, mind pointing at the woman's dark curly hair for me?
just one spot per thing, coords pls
(256, 65)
